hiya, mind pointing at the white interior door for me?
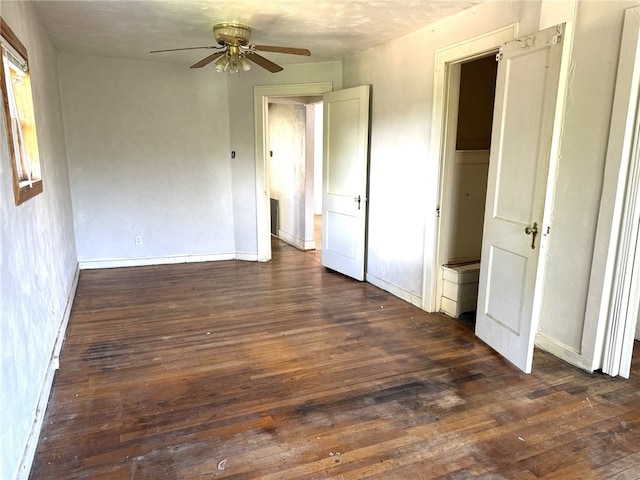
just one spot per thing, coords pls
(344, 202)
(521, 145)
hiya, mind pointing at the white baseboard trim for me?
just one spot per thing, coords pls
(405, 295)
(563, 352)
(143, 262)
(248, 257)
(45, 392)
(290, 239)
(297, 242)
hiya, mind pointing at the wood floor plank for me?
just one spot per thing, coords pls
(285, 370)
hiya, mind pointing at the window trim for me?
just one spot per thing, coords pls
(21, 193)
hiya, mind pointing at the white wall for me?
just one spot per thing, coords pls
(403, 180)
(464, 196)
(241, 119)
(37, 253)
(403, 177)
(566, 322)
(287, 126)
(149, 155)
(468, 191)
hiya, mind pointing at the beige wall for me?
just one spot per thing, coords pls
(475, 104)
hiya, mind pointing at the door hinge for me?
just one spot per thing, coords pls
(500, 53)
(558, 36)
(438, 211)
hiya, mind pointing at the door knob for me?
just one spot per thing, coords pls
(533, 231)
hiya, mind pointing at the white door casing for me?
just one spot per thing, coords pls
(523, 134)
(619, 216)
(345, 172)
(261, 96)
(440, 135)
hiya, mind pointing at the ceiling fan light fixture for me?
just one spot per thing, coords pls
(232, 62)
(234, 66)
(235, 60)
(222, 63)
(235, 53)
(246, 65)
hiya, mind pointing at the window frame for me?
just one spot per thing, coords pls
(25, 192)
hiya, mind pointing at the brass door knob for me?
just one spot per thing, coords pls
(533, 231)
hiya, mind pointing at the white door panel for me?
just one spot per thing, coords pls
(344, 205)
(524, 115)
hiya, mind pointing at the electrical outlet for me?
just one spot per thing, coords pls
(138, 240)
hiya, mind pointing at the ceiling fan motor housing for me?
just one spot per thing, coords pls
(240, 33)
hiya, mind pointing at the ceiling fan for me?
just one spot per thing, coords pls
(234, 52)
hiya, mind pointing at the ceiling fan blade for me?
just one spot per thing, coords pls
(183, 48)
(207, 60)
(263, 62)
(273, 48)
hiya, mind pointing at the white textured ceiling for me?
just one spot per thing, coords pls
(331, 29)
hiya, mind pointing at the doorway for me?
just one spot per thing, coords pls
(523, 156)
(346, 124)
(261, 96)
(472, 86)
(478, 47)
(295, 169)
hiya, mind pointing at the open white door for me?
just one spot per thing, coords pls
(345, 166)
(521, 146)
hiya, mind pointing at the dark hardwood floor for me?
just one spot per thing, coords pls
(283, 370)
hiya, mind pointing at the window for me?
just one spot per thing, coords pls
(15, 81)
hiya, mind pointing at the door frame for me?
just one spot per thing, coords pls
(449, 152)
(261, 96)
(445, 59)
(616, 257)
